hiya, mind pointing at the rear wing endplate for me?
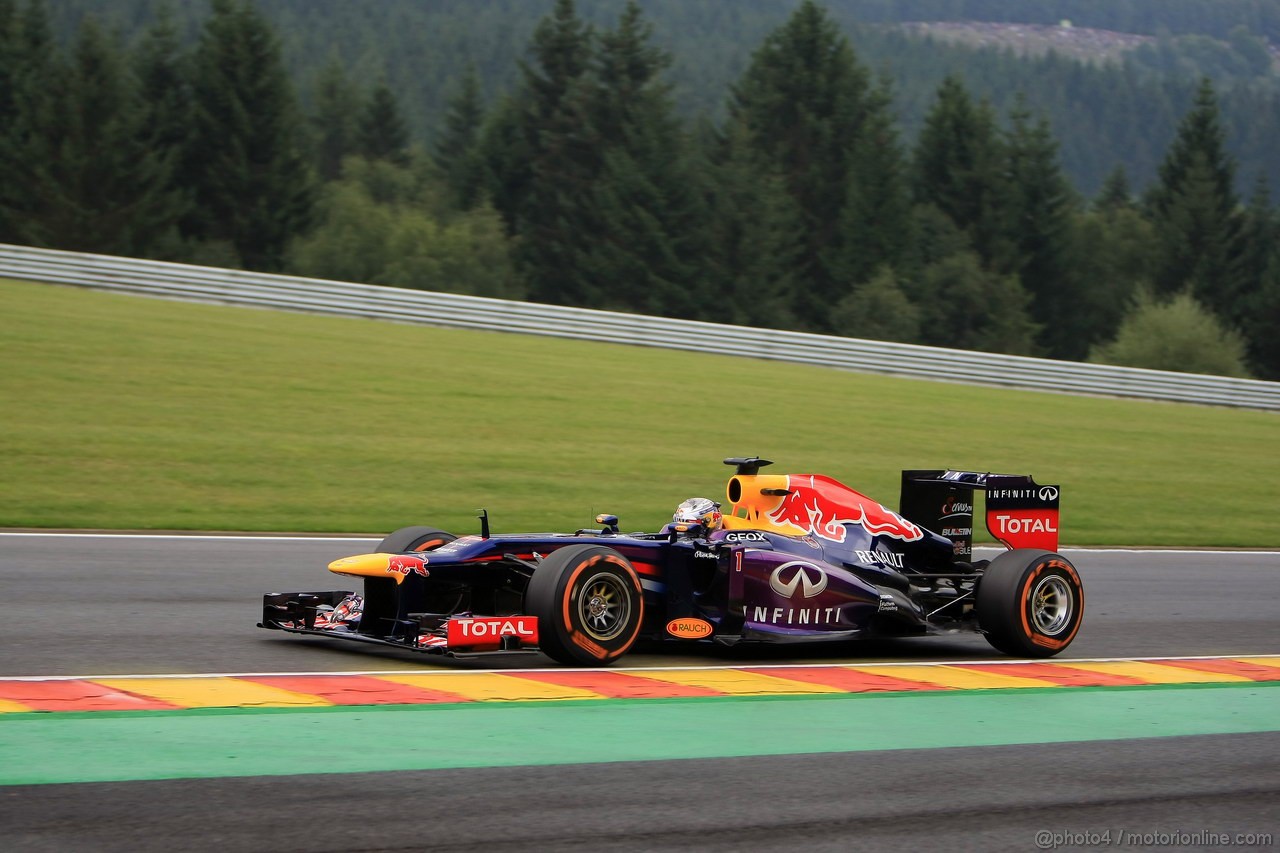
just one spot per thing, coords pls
(1020, 512)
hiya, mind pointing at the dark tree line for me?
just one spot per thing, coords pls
(153, 152)
(1102, 114)
(802, 208)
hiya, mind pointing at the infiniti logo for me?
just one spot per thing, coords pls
(809, 584)
(1049, 493)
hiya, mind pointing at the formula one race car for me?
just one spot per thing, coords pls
(795, 558)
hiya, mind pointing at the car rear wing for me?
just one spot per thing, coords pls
(1020, 512)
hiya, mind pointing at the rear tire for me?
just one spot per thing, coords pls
(1030, 603)
(414, 539)
(589, 605)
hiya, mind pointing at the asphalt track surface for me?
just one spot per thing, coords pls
(115, 605)
(98, 606)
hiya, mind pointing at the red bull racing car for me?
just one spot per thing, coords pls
(794, 558)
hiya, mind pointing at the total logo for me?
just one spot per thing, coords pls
(489, 630)
(800, 576)
(1012, 524)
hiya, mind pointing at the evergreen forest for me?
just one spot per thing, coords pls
(782, 163)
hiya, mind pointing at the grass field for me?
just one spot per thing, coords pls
(125, 412)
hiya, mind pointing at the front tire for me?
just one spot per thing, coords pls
(589, 605)
(1030, 603)
(414, 539)
(386, 601)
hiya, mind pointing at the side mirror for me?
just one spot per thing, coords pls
(610, 522)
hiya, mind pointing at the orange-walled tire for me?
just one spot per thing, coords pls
(1030, 603)
(414, 539)
(382, 596)
(589, 605)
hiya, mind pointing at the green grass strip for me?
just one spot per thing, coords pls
(128, 412)
(51, 748)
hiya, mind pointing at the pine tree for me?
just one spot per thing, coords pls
(382, 133)
(253, 190)
(32, 104)
(752, 233)
(106, 191)
(1039, 222)
(76, 168)
(333, 120)
(1262, 324)
(164, 83)
(1257, 311)
(876, 227)
(1259, 231)
(959, 169)
(1195, 209)
(9, 164)
(164, 88)
(557, 221)
(505, 152)
(8, 60)
(1112, 261)
(1116, 193)
(805, 101)
(458, 153)
(533, 133)
(548, 192)
(643, 209)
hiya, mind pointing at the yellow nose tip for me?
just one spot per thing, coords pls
(366, 566)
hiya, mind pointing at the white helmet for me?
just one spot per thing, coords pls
(700, 513)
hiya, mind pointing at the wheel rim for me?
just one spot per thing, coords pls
(605, 607)
(1051, 605)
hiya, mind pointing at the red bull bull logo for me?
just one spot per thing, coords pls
(403, 564)
(821, 506)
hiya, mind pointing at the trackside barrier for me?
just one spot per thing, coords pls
(235, 287)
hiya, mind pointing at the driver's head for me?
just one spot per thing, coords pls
(697, 516)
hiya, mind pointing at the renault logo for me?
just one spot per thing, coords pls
(810, 579)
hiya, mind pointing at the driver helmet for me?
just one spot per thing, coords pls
(697, 515)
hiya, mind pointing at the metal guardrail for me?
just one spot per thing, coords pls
(235, 287)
